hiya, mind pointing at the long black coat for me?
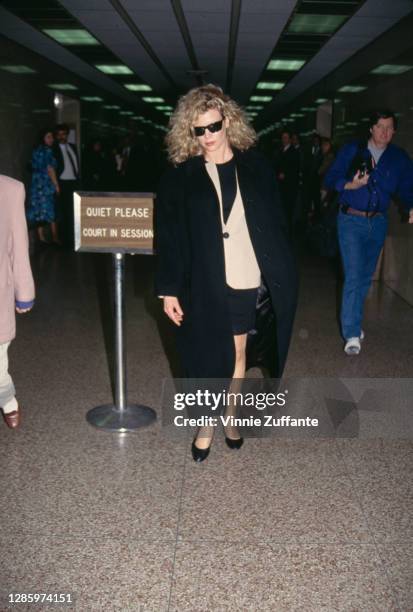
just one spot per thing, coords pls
(191, 262)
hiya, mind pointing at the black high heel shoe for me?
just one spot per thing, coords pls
(199, 454)
(234, 443)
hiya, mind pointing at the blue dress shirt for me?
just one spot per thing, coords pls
(392, 176)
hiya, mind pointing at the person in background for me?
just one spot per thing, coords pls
(44, 187)
(366, 175)
(326, 161)
(96, 168)
(126, 149)
(16, 281)
(288, 175)
(68, 177)
(311, 177)
(130, 163)
(295, 141)
(116, 168)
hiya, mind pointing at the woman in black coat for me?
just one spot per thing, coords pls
(220, 236)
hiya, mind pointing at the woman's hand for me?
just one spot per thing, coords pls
(172, 309)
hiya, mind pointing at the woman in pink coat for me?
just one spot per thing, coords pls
(16, 284)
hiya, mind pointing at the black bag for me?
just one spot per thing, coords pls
(261, 341)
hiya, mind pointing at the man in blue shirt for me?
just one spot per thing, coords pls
(366, 176)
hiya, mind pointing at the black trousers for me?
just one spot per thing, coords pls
(65, 211)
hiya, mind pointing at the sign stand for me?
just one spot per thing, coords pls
(121, 416)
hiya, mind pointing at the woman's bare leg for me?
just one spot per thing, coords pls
(55, 233)
(40, 233)
(205, 434)
(240, 342)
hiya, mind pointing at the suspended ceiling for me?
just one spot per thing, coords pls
(168, 46)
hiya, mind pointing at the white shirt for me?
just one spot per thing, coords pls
(68, 173)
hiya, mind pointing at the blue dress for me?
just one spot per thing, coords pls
(42, 201)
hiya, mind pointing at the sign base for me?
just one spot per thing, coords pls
(132, 417)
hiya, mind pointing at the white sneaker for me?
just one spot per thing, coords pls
(352, 346)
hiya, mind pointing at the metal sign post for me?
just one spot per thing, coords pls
(108, 218)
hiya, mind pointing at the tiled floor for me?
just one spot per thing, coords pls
(130, 522)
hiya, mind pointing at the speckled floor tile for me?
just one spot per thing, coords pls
(67, 395)
(305, 525)
(382, 475)
(90, 485)
(398, 563)
(388, 508)
(284, 490)
(371, 457)
(216, 577)
(102, 574)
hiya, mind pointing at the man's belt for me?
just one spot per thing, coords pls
(347, 210)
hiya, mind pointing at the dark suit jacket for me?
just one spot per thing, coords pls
(288, 162)
(191, 262)
(59, 158)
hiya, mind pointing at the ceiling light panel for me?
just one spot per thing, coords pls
(270, 85)
(138, 87)
(114, 69)
(285, 64)
(352, 88)
(315, 24)
(391, 69)
(260, 98)
(153, 100)
(91, 98)
(72, 37)
(62, 86)
(17, 69)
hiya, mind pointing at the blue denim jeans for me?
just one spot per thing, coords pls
(361, 240)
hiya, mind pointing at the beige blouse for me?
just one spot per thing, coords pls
(241, 267)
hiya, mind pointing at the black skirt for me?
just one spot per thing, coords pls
(242, 305)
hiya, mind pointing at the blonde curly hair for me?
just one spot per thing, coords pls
(181, 144)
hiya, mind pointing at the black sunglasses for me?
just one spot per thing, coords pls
(212, 127)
